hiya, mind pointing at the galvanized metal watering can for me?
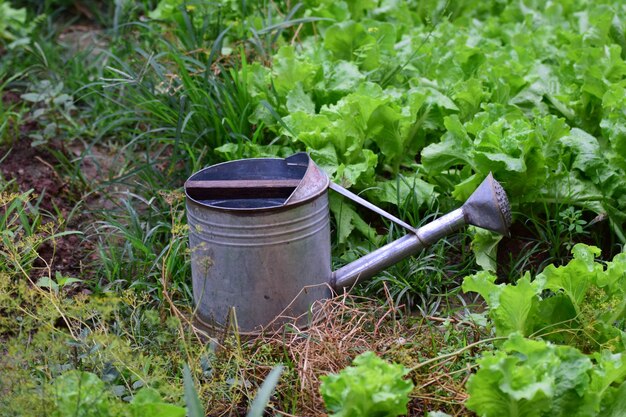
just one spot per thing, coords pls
(259, 234)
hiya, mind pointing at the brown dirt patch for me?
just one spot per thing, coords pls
(10, 98)
(32, 168)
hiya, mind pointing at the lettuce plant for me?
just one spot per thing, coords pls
(565, 345)
(371, 387)
(538, 378)
(582, 303)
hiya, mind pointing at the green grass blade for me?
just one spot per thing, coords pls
(265, 392)
(194, 407)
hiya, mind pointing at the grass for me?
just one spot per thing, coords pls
(130, 343)
(21, 224)
(141, 241)
(175, 97)
(11, 114)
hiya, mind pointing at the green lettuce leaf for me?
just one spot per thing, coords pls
(351, 41)
(532, 378)
(404, 190)
(575, 278)
(290, 69)
(485, 248)
(148, 402)
(370, 387)
(511, 307)
(348, 220)
(78, 393)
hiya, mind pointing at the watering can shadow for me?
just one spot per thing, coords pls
(259, 234)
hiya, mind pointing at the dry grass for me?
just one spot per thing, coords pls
(439, 352)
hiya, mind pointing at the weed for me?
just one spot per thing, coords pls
(179, 105)
(137, 244)
(11, 113)
(53, 108)
(21, 231)
(558, 228)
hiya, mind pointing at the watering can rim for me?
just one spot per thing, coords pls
(312, 173)
(489, 195)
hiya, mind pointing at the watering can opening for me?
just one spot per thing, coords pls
(257, 184)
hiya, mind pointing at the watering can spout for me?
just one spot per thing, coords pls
(488, 208)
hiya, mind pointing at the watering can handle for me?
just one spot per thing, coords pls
(488, 207)
(339, 189)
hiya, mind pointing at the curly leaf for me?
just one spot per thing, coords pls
(370, 387)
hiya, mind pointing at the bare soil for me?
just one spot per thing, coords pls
(31, 168)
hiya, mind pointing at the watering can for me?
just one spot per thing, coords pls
(259, 234)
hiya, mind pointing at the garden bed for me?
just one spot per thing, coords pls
(107, 109)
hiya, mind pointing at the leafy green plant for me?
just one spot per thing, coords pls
(83, 394)
(12, 22)
(554, 228)
(57, 283)
(371, 387)
(80, 394)
(580, 304)
(578, 364)
(53, 108)
(537, 378)
(148, 402)
(575, 225)
(446, 108)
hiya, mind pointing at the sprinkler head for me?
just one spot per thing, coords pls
(488, 207)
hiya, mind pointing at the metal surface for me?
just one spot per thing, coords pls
(312, 182)
(260, 238)
(339, 189)
(409, 245)
(260, 183)
(262, 256)
(488, 207)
